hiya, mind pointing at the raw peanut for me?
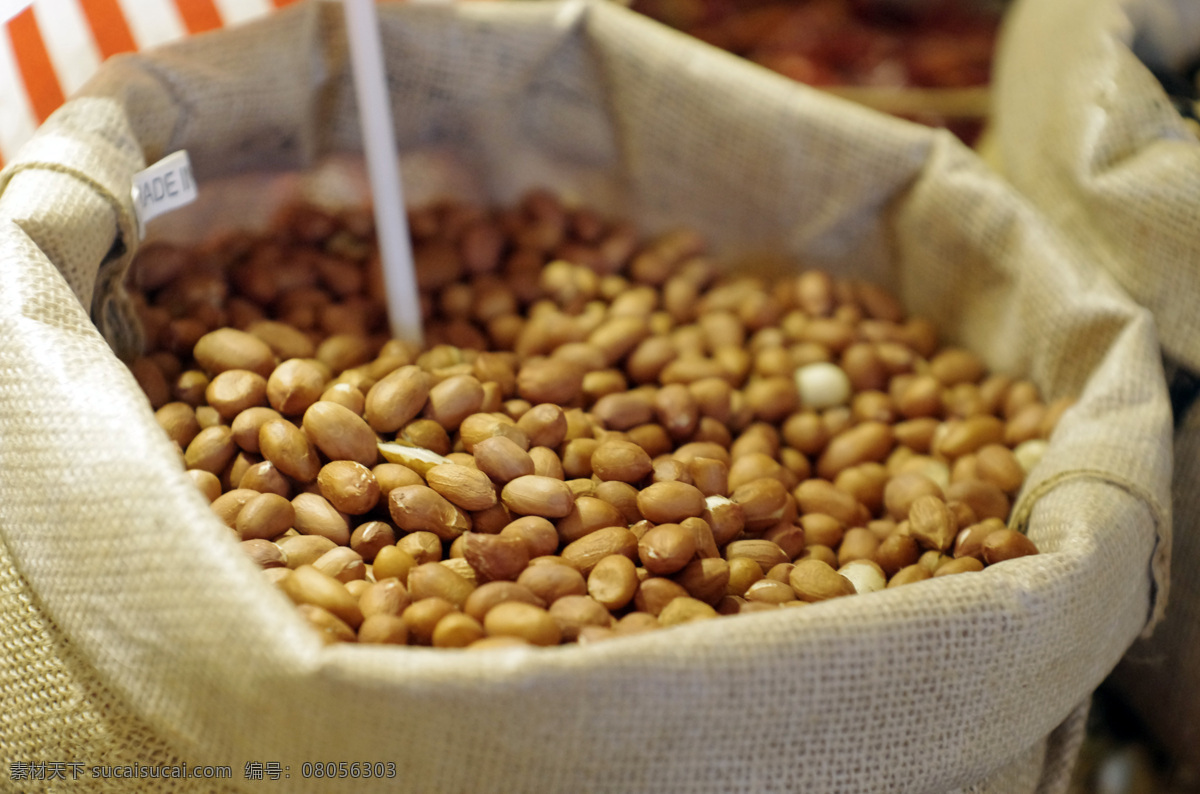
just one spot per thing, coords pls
(235, 390)
(813, 580)
(619, 335)
(804, 431)
(525, 621)
(706, 543)
(725, 517)
(625, 410)
(821, 496)
(383, 630)
(342, 563)
(413, 456)
(393, 475)
(546, 463)
(246, 425)
(211, 450)
(743, 572)
(904, 489)
(866, 576)
(705, 579)
(968, 435)
(285, 341)
(264, 553)
(305, 549)
(483, 598)
(295, 385)
(537, 533)
(331, 628)
(206, 482)
(619, 460)
(677, 410)
(420, 508)
(753, 466)
(491, 520)
(1006, 544)
(932, 524)
(869, 441)
(655, 593)
(190, 386)
(787, 536)
(710, 475)
(817, 552)
(984, 498)
(230, 504)
(858, 543)
(397, 398)
(822, 530)
(613, 581)
(550, 380)
(434, 580)
(670, 502)
(228, 348)
(764, 552)
(314, 515)
(685, 610)
(545, 425)
(265, 516)
(178, 421)
(340, 433)
(895, 552)
(481, 426)
(916, 434)
(866, 483)
(997, 464)
(552, 582)
(307, 585)
(346, 395)
(422, 616)
(764, 502)
(636, 623)
(667, 548)
(453, 400)
(622, 496)
(502, 459)
(349, 486)
(587, 515)
(538, 495)
(909, 574)
(573, 612)
(969, 542)
(394, 562)
(770, 591)
(953, 365)
(457, 630)
(288, 448)
(595, 546)
(958, 565)
(576, 456)
(463, 486)
(494, 556)
(822, 385)
(384, 597)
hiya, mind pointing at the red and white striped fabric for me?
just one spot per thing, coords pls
(49, 48)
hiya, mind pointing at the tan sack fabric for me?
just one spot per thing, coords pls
(1085, 130)
(136, 631)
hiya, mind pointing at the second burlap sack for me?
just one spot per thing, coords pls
(138, 633)
(1084, 127)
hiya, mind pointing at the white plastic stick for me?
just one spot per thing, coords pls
(383, 167)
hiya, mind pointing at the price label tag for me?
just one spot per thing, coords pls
(167, 185)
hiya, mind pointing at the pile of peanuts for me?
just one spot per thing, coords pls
(603, 434)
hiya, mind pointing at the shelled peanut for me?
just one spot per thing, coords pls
(603, 436)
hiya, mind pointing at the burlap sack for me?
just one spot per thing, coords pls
(136, 632)
(1084, 128)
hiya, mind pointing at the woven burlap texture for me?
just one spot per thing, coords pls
(135, 628)
(1103, 152)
